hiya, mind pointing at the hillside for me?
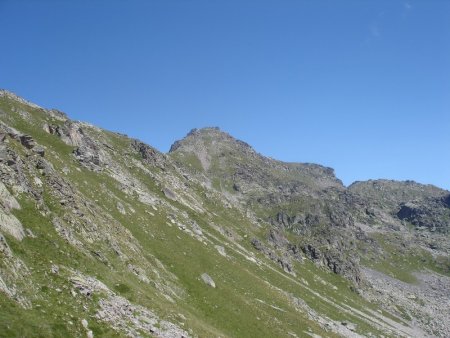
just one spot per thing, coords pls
(102, 235)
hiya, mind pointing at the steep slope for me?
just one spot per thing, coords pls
(304, 199)
(102, 235)
(397, 228)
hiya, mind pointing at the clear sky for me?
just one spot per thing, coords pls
(362, 86)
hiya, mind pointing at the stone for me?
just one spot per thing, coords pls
(27, 141)
(46, 128)
(196, 229)
(257, 244)
(11, 225)
(221, 250)
(38, 182)
(135, 319)
(208, 280)
(277, 238)
(30, 233)
(87, 156)
(14, 134)
(169, 194)
(349, 325)
(45, 166)
(121, 208)
(54, 269)
(84, 323)
(4, 247)
(39, 150)
(7, 200)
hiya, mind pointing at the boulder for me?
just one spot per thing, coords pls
(121, 208)
(208, 280)
(6, 199)
(349, 325)
(10, 224)
(257, 244)
(45, 166)
(169, 194)
(39, 150)
(27, 141)
(84, 323)
(221, 250)
(54, 269)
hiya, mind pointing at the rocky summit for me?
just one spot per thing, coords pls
(102, 235)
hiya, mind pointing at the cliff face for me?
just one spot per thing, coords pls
(103, 235)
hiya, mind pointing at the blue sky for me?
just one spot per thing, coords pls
(361, 86)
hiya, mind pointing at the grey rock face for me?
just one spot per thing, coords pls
(446, 201)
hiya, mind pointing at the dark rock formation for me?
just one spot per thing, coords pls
(27, 141)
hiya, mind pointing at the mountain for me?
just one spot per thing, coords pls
(102, 235)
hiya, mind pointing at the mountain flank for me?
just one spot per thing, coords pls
(102, 235)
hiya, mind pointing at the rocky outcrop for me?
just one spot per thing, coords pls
(71, 133)
(446, 201)
(148, 154)
(283, 259)
(11, 225)
(87, 150)
(337, 254)
(8, 222)
(430, 214)
(88, 156)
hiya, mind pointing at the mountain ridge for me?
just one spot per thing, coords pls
(198, 131)
(195, 130)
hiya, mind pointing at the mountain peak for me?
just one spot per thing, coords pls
(205, 138)
(234, 163)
